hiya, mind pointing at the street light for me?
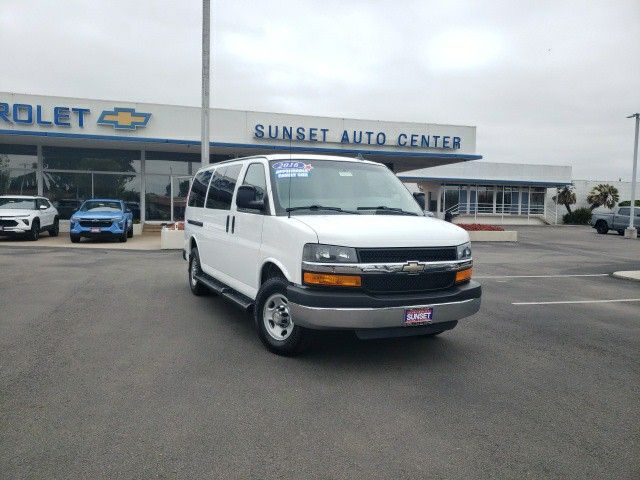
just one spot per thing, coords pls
(631, 231)
(204, 115)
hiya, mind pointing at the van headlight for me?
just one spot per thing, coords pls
(464, 251)
(317, 252)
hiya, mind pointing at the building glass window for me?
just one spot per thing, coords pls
(451, 197)
(537, 200)
(158, 197)
(171, 163)
(463, 200)
(70, 176)
(485, 199)
(121, 187)
(91, 159)
(18, 165)
(67, 191)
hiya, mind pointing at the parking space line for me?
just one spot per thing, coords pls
(543, 276)
(578, 301)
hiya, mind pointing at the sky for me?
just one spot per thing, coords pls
(545, 82)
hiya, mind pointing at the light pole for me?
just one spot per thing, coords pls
(204, 115)
(631, 231)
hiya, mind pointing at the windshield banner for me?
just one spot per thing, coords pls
(292, 169)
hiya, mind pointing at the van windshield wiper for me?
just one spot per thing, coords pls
(320, 207)
(392, 210)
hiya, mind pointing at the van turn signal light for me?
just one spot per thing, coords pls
(463, 275)
(332, 280)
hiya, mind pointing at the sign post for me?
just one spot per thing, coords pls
(631, 231)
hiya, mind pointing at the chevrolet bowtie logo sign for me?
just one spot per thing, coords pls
(124, 118)
(413, 268)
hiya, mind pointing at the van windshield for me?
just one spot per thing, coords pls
(326, 187)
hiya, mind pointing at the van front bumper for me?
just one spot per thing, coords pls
(331, 309)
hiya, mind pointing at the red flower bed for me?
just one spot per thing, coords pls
(478, 227)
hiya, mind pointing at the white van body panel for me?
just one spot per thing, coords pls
(384, 230)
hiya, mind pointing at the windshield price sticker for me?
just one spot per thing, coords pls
(292, 169)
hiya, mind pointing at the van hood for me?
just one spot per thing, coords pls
(368, 231)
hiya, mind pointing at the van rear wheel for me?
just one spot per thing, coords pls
(196, 286)
(275, 326)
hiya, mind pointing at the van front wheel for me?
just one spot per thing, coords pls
(275, 326)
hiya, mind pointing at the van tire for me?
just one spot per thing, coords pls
(274, 292)
(75, 238)
(197, 288)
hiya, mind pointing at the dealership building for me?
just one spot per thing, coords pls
(71, 149)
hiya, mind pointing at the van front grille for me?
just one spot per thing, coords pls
(399, 255)
(405, 283)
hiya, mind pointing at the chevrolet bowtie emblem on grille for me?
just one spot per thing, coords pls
(124, 118)
(413, 268)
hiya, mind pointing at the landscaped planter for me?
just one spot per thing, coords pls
(137, 229)
(171, 239)
(487, 236)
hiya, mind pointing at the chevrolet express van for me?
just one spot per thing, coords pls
(323, 242)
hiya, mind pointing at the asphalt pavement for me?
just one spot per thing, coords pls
(110, 368)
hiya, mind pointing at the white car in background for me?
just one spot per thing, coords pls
(28, 215)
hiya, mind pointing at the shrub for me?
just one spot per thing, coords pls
(627, 203)
(479, 227)
(580, 216)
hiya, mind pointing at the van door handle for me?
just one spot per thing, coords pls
(233, 224)
(227, 227)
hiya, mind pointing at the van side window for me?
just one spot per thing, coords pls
(223, 185)
(199, 189)
(256, 178)
(624, 211)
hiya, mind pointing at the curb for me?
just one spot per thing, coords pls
(633, 275)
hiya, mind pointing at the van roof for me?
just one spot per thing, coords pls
(294, 156)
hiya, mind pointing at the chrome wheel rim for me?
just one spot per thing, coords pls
(193, 272)
(276, 318)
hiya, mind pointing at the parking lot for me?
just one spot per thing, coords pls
(110, 368)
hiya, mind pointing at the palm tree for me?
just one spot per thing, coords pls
(604, 195)
(565, 196)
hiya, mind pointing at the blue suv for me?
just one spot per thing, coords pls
(101, 217)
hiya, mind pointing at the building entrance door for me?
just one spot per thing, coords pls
(179, 191)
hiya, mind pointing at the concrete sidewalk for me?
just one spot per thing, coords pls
(146, 241)
(628, 275)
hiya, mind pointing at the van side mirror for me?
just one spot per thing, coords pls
(43, 207)
(419, 196)
(246, 198)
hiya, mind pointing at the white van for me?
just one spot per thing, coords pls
(325, 242)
